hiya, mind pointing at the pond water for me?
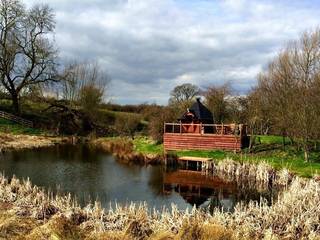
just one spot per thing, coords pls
(91, 174)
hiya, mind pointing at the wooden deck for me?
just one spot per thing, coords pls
(230, 137)
(174, 141)
(194, 159)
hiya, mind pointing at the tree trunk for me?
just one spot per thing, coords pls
(284, 135)
(15, 103)
(252, 140)
(306, 152)
(291, 140)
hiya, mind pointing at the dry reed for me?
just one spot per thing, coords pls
(123, 150)
(294, 215)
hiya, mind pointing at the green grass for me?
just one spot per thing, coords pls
(7, 126)
(276, 157)
(271, 139)
(114, 114)
(147, 146)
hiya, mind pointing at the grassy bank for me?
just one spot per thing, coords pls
(125, 150)
(268, 150)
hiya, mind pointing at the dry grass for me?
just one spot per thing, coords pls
(123, 151)
(30, 212)
(259, 176)
(17, 142)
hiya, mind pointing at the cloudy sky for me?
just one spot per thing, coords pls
(150, 46)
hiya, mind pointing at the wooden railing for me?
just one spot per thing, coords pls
(217, 129)
(16, 119)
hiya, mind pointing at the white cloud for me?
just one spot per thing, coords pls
(149, 46)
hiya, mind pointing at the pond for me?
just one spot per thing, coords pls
(90, 174)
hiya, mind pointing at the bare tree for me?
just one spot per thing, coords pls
(238, 108)
(157, 120)
(84, 85)
(290, 86)
(127, 124)
(90, 98)
(183, 95)
(217, 102)
(82, 91)
(27, 54)
(258, 114)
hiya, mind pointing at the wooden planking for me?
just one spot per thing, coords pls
(194, 159)
(201, 142)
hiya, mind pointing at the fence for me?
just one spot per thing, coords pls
(218, 129)
(16, 119)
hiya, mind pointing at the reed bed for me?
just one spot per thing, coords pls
(259, 176)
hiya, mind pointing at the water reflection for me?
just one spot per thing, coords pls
(209, 192)
(89, 174)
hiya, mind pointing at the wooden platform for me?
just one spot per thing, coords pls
(194, 159)
(176, 141)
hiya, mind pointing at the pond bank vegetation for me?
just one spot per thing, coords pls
(145, 151)
(19, 142)
(29, 212)
(124, 150)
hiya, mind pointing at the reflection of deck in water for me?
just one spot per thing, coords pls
(192, 163)
(197, 188)
(197, 179)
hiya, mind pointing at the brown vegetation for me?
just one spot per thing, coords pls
(16, 142)
(217, 102)
(257, 176)
(123, 150)
(27, 212)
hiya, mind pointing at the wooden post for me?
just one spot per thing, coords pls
(180, 127)
(222, 130)
(165, 159)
